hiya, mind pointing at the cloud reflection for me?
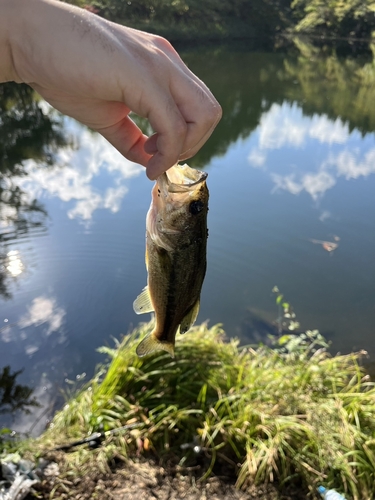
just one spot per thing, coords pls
(43, 310)
(257, 158)
(348, 166)
(91, 176)
(314, 184)
(285, 126)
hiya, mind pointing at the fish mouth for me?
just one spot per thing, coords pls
(180, 179)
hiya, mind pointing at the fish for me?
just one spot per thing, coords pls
(176, 247)
(327, 245)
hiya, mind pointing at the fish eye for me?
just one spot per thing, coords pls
(195, 207)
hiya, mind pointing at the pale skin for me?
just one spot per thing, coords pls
(97, 72)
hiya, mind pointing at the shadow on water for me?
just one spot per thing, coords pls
(257, 328)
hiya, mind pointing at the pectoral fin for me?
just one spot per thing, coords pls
(190, 318)
(142, 303)
(151, 344)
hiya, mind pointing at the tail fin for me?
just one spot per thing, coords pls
(151, 344)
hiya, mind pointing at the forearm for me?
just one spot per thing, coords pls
(7, 13)
(41, 38)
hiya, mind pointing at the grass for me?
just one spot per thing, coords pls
(292, 414)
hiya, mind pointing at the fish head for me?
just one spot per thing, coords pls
(179, 203)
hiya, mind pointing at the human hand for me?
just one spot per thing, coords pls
(97, 72)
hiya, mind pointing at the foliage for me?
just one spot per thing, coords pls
(353, 18)
(292, 413)
(181, 19)
(263, 19)
(286, 319)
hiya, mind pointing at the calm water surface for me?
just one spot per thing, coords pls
(292, 161)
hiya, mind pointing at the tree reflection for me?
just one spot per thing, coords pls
(14, 397)
(247, 83)
(26, 133)
(336, 86)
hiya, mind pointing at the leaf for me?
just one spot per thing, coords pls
(279, 298)
(284, 339)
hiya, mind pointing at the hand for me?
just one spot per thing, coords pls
(97, 72)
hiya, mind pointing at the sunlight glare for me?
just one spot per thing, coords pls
(14, 263)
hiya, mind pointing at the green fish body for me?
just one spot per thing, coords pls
(176, 242)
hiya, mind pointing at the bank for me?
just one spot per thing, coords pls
(288, 417)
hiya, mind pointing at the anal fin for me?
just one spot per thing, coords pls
(142, 303)
(190, 318)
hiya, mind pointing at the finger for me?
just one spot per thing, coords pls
(200, 111)
(188, 153)
(151, 146)
(169, 140)
(128, 139)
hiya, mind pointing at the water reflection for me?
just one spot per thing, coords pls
(14, 397)
(310, 82)
(43, 311)
(284, 127)
(13, 263)
(26, 132)
(43, 317)
(288, 128)
(90, 176)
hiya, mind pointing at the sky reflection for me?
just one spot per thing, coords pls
(29, 333)
(90, 176)
(317, 151)
(77, 221)
(45, 311)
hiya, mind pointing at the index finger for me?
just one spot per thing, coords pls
(169, 140)
(182, 126)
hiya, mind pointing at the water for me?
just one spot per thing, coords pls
(292, 161)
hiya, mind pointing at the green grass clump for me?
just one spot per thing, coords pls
(292, 413)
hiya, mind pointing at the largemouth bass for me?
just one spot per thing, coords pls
(176, 240)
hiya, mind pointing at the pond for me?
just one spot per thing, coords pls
(291, 177)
